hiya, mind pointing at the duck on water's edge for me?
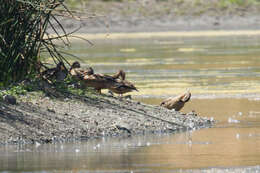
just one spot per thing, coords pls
(177, 102)
(115, 83)
(118, 84)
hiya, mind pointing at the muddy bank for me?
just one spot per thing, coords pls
(155, 16)
(163, 24)
(71, 118)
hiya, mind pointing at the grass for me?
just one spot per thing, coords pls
(57, 90)
(24, 36)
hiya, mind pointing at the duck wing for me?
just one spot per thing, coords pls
(176, 102)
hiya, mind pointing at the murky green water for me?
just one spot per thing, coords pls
(165, 66)
(223, 75)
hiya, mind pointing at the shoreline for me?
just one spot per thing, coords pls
(46, 120)
(128, 24)
(144, 35)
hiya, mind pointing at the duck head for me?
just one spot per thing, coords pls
(75, 64)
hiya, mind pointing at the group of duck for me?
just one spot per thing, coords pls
(116, 83)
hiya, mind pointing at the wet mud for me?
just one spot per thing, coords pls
(46, 120)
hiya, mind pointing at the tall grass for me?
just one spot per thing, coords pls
(23, 36)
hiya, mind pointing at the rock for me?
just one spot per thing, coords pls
(10, 99)
(129, 97)
(123, 126)
(51, 110)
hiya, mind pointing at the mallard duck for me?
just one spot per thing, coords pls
(115, 83)
(59, 73)
(119, 74)
(75, 71)
(177, 102)
(122, 86)
(99, 81)
(78, 73)
(88, 78)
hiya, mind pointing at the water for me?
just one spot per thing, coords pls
(222, 74)
(168, 65)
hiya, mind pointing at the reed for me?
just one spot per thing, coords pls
(24, 35)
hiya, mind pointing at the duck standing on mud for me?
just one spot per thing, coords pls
(122, 86)
(89, 79)
(98, 81)
(75, 70)
(101, 81)
(78, 73)
(59, 73)
(177, 102)
(116, 83)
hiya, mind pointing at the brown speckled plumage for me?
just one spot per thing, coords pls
(177, 102)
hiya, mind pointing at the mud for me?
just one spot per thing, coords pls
(46, 120)
(161, 16)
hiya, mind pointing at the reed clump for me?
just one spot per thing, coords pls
(24, 35)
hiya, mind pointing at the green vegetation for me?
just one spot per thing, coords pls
(39, 88)
(23, 36)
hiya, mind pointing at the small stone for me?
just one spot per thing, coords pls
(51, 110)
(10, 99)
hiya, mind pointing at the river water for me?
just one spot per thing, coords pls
(221, 71)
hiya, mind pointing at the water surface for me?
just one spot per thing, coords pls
(163, 66)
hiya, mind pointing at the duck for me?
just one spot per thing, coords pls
(74, 69)
(78, 73)
(119, 75)
(88, 78)
(99, 81)
(177, 102)
(59, 73)
(122, 86)
(115, 83)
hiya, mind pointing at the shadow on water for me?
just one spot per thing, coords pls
(223, 74)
